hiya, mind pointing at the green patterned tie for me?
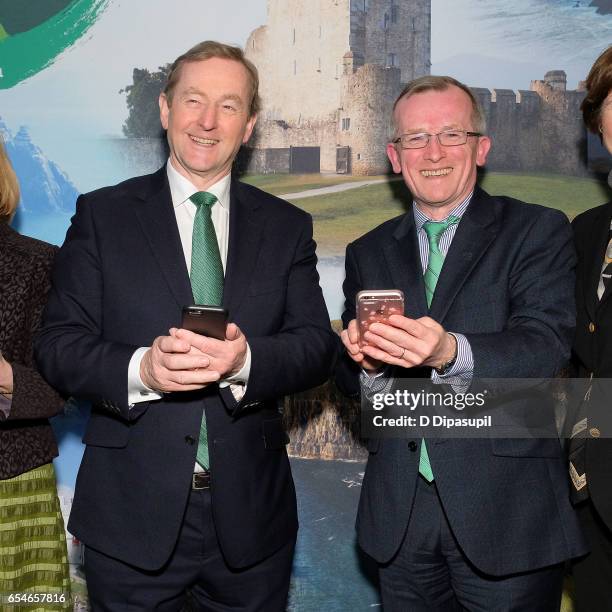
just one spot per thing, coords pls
(206, 279)
(434, 230)
(206, 267)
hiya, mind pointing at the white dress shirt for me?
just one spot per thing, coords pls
(181, 189)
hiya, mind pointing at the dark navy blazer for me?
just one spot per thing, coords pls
(120, 280)
(507, 284)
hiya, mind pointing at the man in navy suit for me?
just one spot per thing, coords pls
(168, 500)
(476, 524)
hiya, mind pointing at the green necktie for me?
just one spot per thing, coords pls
(206, 267)
(206, 279)
(434, 230)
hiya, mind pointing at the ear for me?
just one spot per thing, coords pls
(248, 130)
(482, 150)
(394, 158)
(164, 110)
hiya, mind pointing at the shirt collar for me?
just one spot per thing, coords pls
(181, 189)
(421, 218)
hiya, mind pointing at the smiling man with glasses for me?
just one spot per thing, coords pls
(462, 524)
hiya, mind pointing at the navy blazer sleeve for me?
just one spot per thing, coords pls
(72, 350)
(541, 317)
(290, 360)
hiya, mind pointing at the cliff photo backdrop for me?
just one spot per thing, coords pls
(79, 81)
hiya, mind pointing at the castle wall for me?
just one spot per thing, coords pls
(526, 136)
(357, 40)
(398, 34)
(256, 50)
(299, 57)
(563, 135)
(539, 130)
(367, 99)
(278, 134)
(502, 123)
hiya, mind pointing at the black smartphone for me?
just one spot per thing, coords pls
(209, 321)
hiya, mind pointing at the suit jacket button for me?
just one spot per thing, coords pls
(591, 327)
(595, 433)
(190, 440)
(412, 445)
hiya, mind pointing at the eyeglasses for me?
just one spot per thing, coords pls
(448, 138)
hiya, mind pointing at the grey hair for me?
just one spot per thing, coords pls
(438, 83)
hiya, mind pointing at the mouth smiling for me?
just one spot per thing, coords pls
(203, 141)
(436, 172)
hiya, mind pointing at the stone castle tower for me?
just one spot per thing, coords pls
(330, 69)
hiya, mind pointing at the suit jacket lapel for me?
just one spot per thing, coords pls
(404, 265)
(477, 230)
(245, 234)
(158, 222)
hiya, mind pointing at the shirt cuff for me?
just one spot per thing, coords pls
(238, 382)
(137, 391)
(5, 405)
(461, 373)
(242, 376)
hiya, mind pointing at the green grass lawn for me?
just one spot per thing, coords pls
(572, 195)
(341, 217)
(294, 183)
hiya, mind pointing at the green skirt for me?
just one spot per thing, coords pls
(33, 557)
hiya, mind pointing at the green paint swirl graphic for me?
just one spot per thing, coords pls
(24, 54)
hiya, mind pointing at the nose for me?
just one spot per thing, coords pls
(208, 117)
(434, 150)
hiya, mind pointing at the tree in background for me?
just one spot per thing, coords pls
(141, 98)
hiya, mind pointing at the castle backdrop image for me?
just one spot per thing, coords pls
(79, 81)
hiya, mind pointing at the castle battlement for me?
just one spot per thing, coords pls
(539, 129)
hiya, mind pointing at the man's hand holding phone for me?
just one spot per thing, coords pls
(172, 364)
(187, 360)
(351, 340)
(226, 356)
(381, 334)
(410, 342)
